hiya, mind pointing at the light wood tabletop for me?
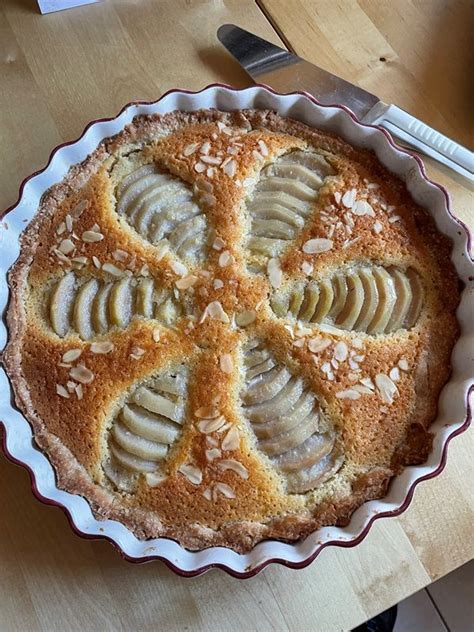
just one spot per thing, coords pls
(59, 71)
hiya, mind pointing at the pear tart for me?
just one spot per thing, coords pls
(226, 327)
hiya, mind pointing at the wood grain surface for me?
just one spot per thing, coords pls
(59, 71)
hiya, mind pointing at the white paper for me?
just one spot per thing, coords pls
(49, 6)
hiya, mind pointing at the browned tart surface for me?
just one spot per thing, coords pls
(229, 326)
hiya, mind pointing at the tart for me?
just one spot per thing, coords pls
(226, 327)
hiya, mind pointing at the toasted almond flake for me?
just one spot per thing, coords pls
(216, 312)
(386, 387)
(357, 343)
(377, 227)
(299, 343)
(349, 197)
(232, 440)
(403, 364)
(218, 243)
(391, 208)
(230, 168)
(81, 374)
(245, 318)
(113, 269)
(213, 453)
(60, 390)
(186, 282)
(191, 472)
(224, 427)
(161, 248)
(206, 426)
(218, 284)
(315, 246)
(366, 381)
(61, 228)
(353, 364)
(350, 393)
(334, 363)
(372, 185)
(71, 355)
(153, 479)
(351, 242)
(263, 147)
(315, 345)
(341, 351)
(79, 391)
(364, 390)
(200, 167)
(361, 207)
(207, 198)
(207, 494)
(226, 363)
(120, 255)
(307, 267)
(137, 352)
(178, 268)
(155, 334)
(190, 149)
(79, 208)
(206, 412)
(394, 218)
(359, 358)
(69, 222)
(102, 347)
(91, 236)
(275, 274)
(234, 466)
(224, 489)
(220, 125)
(96, 262)
(394, 374)
(71, 386)
(337, 196)
(80, 261)
(225, 259)
(65, 365)
(66, 246)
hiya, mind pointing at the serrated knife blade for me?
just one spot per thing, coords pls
(283, 71)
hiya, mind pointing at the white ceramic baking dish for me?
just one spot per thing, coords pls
(454, 411)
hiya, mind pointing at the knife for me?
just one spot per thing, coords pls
(284, 71)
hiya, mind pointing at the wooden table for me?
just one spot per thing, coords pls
(59, 71)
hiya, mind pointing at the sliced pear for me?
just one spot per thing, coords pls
(291, 439)
(308, 307)
(144, 298)
(100, 309)
(371, 300)
(138, 446)
(121, 303)
(156, 403)
(387, 299)
(403, 302)
(149, 425)
(82, 314)
(130, 197)
(256, 356)
(315, 162)
(272, 228)
(283, 199)
(61, 302)
(295, 171)
(340, 295)
(258, 369)
(296, 299)
(192, 227)
(122, 478)
(130, 461)
(355, 299)
(173, 384)
(417, 298)
(326, 298)
(296, 189)
(133, 177)
(313, 450)
(278, 405)
(276, 211)
(167, 312)
(286, 422)
(172, 212)
(280, 303)
(267, 385)
(267, 245)
(307, 479)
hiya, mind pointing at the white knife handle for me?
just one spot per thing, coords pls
(424, 138)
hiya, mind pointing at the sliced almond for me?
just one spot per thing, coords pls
(307, 267)
(225, 490)
(230, 168)
(232, 440)
(153, 479)
(81, 374)
(394, 374)
(190, 149)
(207, 494)
(155, 334)
(225, 362)
(316, 345)
(218, 284)
(90, 236)
(361, 207)
(69, 222)
(61, 391)
(120, 255)
(104, 346)
(186, 282)
(213, 453)
(377, 227)
(337, 196)
(137, 352)
(245, 318)
(275, 274)
(341, 351)
(96, 262)
(216, 312)
(349, 197)
(71, 355)
(386, 387)
(206, 412)
(192, 473)
(79, 208)
(403, 364)
(218, 243)
(225, 259)
(79, 391)
(110, 268)
(315, 246)
(350, 393)
(234, 466)
(200, 167)
(178, 268)
(66, 246)
(263, 147)
(207, 426)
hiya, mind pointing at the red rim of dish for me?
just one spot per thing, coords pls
(320, 546)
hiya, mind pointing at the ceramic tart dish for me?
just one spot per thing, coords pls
(234, 329)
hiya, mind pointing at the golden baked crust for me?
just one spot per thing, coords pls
(366, 363)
